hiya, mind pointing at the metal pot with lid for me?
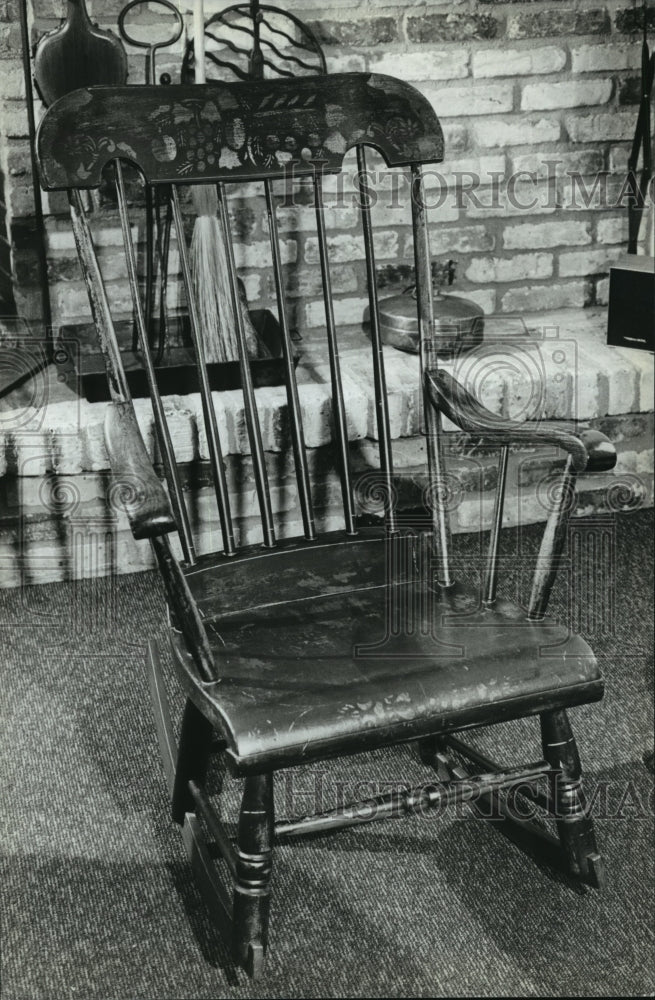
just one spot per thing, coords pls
(458, 322)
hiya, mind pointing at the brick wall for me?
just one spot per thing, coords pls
(538, 102)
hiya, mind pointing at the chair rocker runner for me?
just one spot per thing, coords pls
(300, 650)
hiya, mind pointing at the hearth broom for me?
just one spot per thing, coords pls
(209, 266)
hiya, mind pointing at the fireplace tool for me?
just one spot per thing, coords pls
(15, 370)
(75, 54)
(157, 247)
(642, 140)
(260, 57)
(631, 305)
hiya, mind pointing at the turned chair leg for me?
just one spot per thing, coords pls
(574, 824)
(253, 873)
(431, 752)
(192, 758)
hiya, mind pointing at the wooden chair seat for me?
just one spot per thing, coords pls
(308, 653)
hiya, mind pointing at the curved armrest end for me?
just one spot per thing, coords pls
(590, 450)
(152, 524)
(601, 453)
(137, 488)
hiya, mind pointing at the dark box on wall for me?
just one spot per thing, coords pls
(631, 313)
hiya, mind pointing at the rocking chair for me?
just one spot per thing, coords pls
(298, 650)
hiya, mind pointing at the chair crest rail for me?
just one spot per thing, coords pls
(234, 131)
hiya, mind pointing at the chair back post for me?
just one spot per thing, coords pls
(379, 379)
(118, 387)
(436, 466)
(161, 426)
(552, 544)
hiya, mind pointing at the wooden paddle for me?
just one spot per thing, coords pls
(77, 54)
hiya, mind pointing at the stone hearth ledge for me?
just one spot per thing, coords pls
(564, 372)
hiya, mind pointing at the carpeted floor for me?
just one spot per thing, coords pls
(97, 900)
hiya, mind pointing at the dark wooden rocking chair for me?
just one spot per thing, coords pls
(279, 647)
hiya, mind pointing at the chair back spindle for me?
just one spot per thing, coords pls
(491, 572)
(436, 468)
(208, 411)
(248, 389)
(293, 401)
(379, 378)
(552, 544)
(338, 407)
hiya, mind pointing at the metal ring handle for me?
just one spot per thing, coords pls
(149, 45)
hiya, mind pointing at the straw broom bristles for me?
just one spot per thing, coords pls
(211, 282)
(208, 260)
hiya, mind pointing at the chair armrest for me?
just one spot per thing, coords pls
(589, 449)
(139, 490)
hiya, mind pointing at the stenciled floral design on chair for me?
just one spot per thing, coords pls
(189, 131)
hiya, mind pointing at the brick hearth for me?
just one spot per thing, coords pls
(56, 467)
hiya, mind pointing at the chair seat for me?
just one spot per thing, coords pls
(326, 656)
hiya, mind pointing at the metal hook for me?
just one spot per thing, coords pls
(151, 46)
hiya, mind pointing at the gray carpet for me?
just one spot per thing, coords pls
(97, 899)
